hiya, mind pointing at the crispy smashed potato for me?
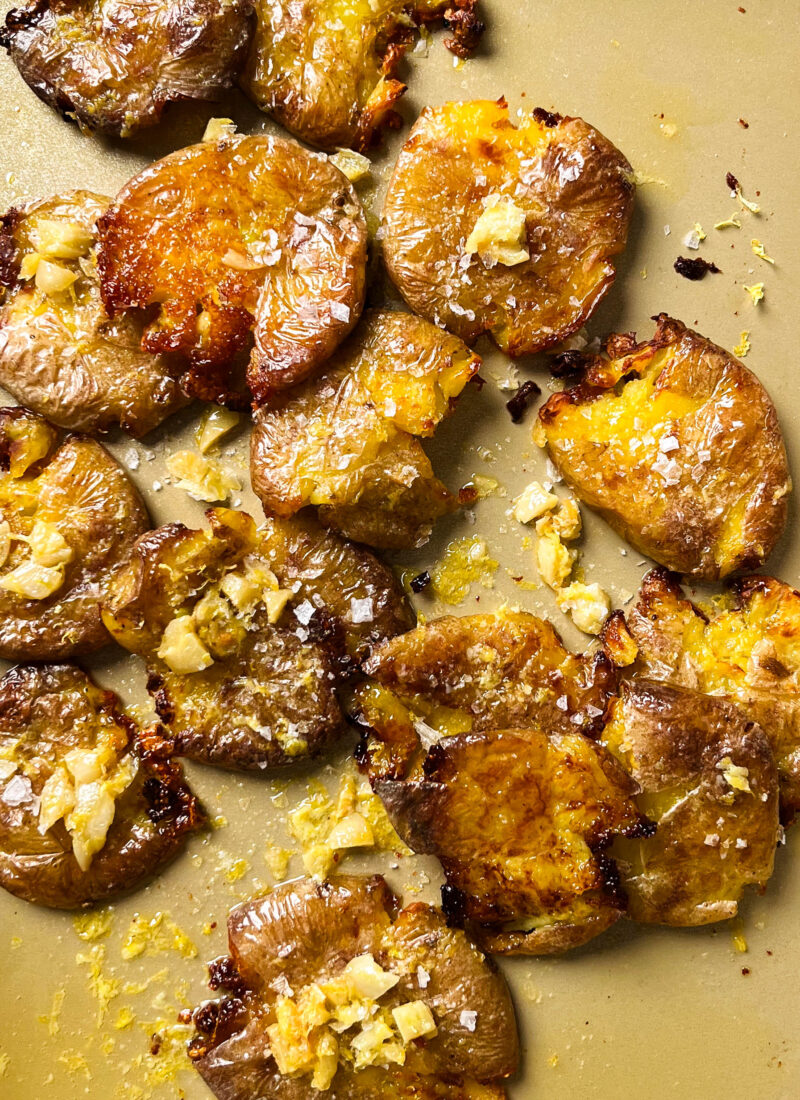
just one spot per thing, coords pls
(114, 66)
(746, 649)
(677, 445)
(68, 519)
(519, 819)
(280, 259)
(345, 441)
(245, 635)
(708, 780)
(61, 355)
(460, 674)
(327, 69)
(89, 806)
(490, 227)
(332, 988)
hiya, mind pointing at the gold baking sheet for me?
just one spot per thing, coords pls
(654, 1014)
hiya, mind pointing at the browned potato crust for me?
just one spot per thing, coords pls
(709, 781)
(114, 66)
(77, 490)
(569, 185)
(326, 69)
(47, 712)
(746, 649)
(471, 673)
(677, 445)
(282, 257)
(263, 691)
(306, 932)
(346, 441)
(519, 819)
(61, 355)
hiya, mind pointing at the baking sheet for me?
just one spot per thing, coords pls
(651, 1013)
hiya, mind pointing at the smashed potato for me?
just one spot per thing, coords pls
(89, 806)
(61, 355)
(113, 66)
(708, 780)
(282, 258)
(510, 230)
(460, 674)
(327, 69)
(746, 649)
(677, 445)
(244, 639)
(519, 819)
(68, 519)
(332, 988)
(346, 440)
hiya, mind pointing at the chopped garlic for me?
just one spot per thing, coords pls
(200, 477)
(27, 269)
(756, 292)
(353, 165)
(218, 129)
(533, 501)
(181, 649)
(414, 1020)
(353, 831)
(759, 251)
(499, 235)
(56, 799)
(553, 559)
(5, 541)
(734, 775)
(33, 581)
(216, 423)
(58, 240)
(240, 261)
(375, 1045)
(52, 278)
(48, 546)
(327, 1062)
(588, 605)
(567, 519)
(275, 602)
(368, 978)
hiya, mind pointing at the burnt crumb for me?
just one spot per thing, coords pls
(745, 971)
(567, 364)
(467, 495)
(161, 801)
(467, 28)
(732, 181)
(547, 118)
(215, 1021)
(518, 405)
(744, 124)
(155, 1043)
(454, 905)
(222, 974)
(695, 269)
(421, 581)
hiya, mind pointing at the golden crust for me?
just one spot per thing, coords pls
(114, 66)
(283, 260)
(677, 445)
(570, 182)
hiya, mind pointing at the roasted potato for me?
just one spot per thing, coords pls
(244, 639)
(333, 988)
(677, 445)
(510, 230)
(519, 819)
(708, 779)
(746, 649)
(346, 441)
(89, 807)
(326, 69)
(460, 674)
(281, 259)
(68, 519)
(61, 355)
(114, 66)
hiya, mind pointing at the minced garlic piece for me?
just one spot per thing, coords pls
(90, 819)
(218, 129)
(539, 435)
(56, 799)
(554, 560)
(352, 831)
(566, 519)
(355, 166)
(215, 424)
(759, 251)
(33, 581)
(734, 775)
(498, 235)
(465, 561)
(588, 605)
(414, 1020)
(48, 546)
(275, 602)
(533, 501)
(27, 268)
(5, 541)
(182, 649)
(376, 1044)
(368, 978)
(201, 477)
(59, 240)
(52, 278)
(756, 292)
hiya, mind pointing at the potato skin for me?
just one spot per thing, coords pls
(346, 441)
(113, 67)
(577, 220)
(298, 213)
(77, 487)
(52, 709)
(712, 839)
(319, 927)
(64, 358)
(705, 492)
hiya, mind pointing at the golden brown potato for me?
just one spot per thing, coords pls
(510, 230)
(677, 445)
(326, 69)
(316, 973)
(460, 674)
(89, 806)
(61, 355)
(346, 441)
(114, 66)
(281, 258)
(244, 639)
(746, 649)
(68, 519)
(708, 779)
(519, 819)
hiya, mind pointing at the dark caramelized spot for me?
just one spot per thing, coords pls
(695, 269)
(518, 405)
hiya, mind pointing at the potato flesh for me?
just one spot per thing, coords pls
(346, 441)
(685, 459)
(114, 66)
(574, 189)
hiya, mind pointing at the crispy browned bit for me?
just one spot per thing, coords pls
(547, 118)
(695, 268)
(420, 582)
(732, 181)
(467, 28)
(518, 405)
(567, 364)
(744, 124)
